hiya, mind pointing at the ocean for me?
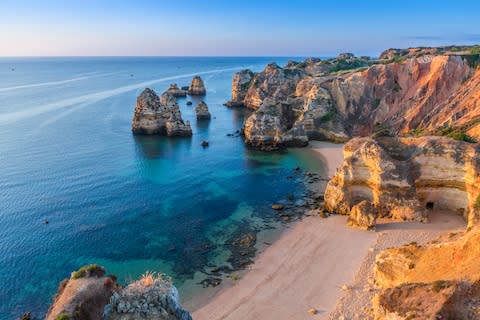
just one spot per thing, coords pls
(130, 203)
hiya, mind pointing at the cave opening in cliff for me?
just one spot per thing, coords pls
(429, 205)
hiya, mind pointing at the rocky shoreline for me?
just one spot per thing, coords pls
(411, 92)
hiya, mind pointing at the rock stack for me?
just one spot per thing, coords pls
(202, 112)
(197, 87)
(175, 91)
(159, 115)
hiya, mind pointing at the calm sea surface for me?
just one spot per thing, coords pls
(130, 203)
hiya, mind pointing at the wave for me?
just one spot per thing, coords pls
(54, 83)
(97, 96)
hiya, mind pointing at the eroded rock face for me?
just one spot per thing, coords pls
(403, 178)
(201, 110)
(159, 115)
(83, 297)
(439, 280)
(240, 83)
(197, 87)
(152, 297)
(416, 90)
(450, 300)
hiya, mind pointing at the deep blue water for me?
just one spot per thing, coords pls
(130, 203)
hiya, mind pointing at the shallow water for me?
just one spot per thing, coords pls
(130, 203)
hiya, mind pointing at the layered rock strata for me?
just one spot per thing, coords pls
(197, 87)
(201, 111)
(159, 115)
(405, 178)
(416, 91)
(435, 281)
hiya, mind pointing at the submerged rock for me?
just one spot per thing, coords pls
(197, 87)
(159, 115)
(201, 110)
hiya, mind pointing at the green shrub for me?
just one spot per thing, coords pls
(477, 202)
(439, 285)
(88, 270)
(327, 117)
(456, 134)
(63, 316)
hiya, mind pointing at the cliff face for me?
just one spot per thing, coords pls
(403, 178)
(154, 115)
(418, 88)
(435, 281)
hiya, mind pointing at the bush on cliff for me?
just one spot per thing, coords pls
(88, 271)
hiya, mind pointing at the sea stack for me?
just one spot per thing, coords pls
(175, 91)
(159, 115)
(197, 87)
(202, 111)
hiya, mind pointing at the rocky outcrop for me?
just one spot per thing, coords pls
(153, 297)
(240, 84)
(88, 294)
(429, 301)
(404, 178)
(201, 111)
(175, 91)
(83, 296)
(416, 91)
(197, 87)
(159, 115)
(439, 280)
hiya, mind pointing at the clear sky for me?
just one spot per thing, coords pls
(231, 27)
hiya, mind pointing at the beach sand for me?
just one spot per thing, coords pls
(304, 269)
(311, 262)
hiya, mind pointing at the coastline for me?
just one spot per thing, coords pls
(304, 268)
(318, 264)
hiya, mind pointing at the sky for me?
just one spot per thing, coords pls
(231, 27)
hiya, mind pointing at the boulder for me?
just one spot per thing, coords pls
(197, 87)
(363, 216)
(201, 110)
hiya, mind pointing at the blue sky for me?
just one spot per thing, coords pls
(232, 28)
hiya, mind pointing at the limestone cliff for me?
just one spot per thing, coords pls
(159, 115)
(435, 281)
(403, 178)
(411, 91)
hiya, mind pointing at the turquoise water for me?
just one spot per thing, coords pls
(131, 203)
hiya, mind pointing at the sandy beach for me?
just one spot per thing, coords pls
(304, 269)
(311, 262)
